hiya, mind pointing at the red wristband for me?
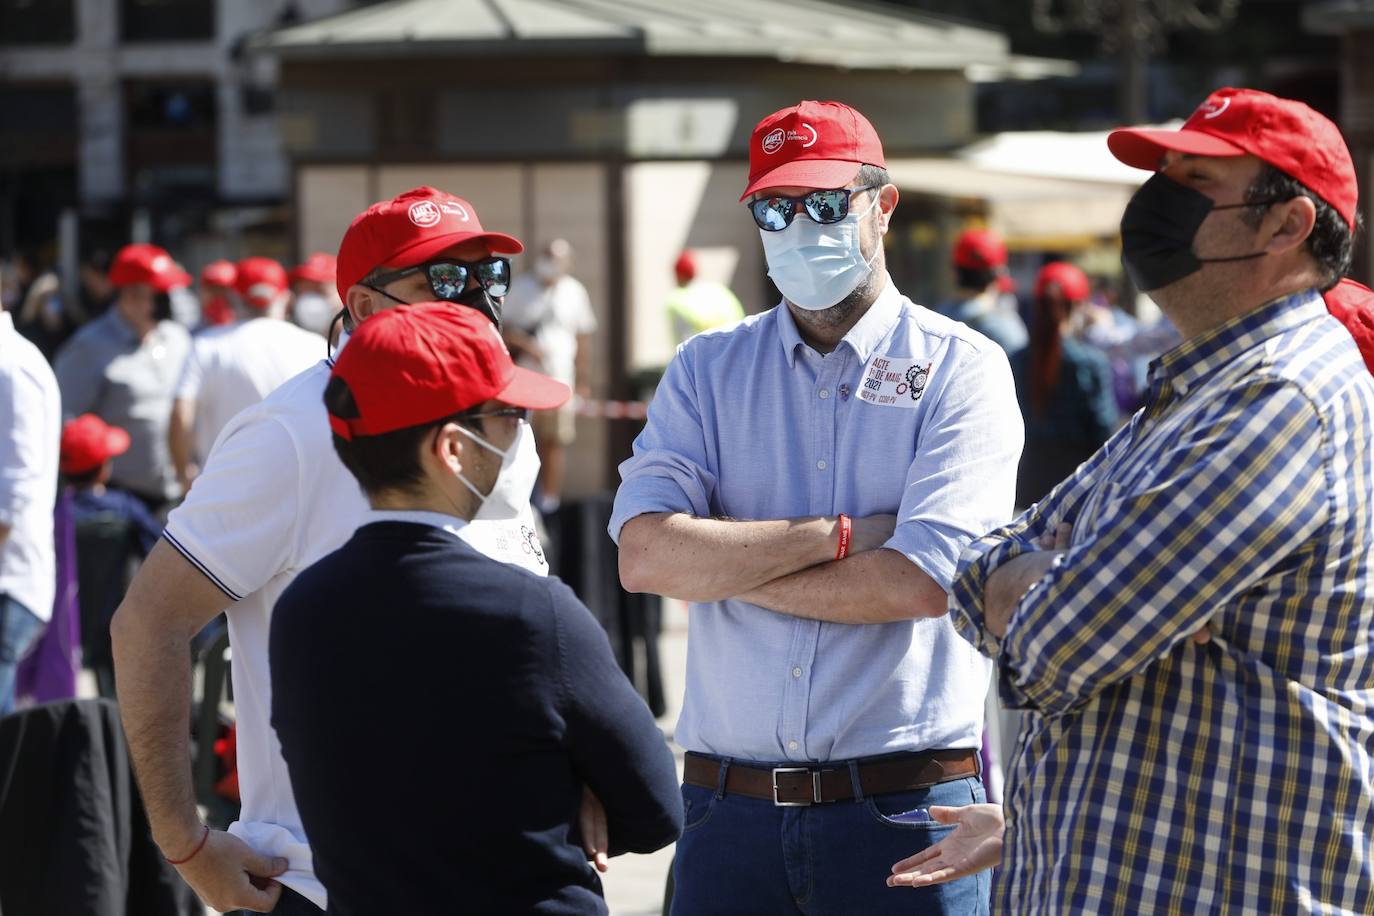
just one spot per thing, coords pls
(846, 528)
(195, 852)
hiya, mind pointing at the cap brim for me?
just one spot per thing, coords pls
(427, 248)
(1143, 147)
(172, 279)
(806, 173)
(116, 442)
(534, 390)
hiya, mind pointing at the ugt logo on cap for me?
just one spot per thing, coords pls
(776, 138)
(425, 214)
(1210, 109)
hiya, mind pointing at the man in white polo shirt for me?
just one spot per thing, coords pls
(272, 499)
(231, 368)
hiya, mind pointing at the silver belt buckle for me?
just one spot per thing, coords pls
(815, 787)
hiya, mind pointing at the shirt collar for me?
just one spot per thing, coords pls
(863, 338)
(450, 523)
(1191, 361)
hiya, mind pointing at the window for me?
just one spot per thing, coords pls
(37, 22)
(167, 20)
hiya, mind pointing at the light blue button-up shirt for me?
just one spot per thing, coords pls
(912, 414)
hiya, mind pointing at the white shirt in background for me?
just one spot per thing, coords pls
(272, 499)
(555, 316)
(234, 367)
(30, 429)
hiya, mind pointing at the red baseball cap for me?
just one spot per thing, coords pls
(979, 249)
(1072, 282)
(260, 281)
(410, 229)
(219, 273)
(811, 145)
(686, 265)
(415, 364)
(88, 442)
(144, 263)
(318, 268)
(1353, 305)
(1233, 122)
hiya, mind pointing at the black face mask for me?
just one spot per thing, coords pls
(162, 307)
(1158, 228)
(476, 298)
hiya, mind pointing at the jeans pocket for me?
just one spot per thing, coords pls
(697, 806)
(909, 810)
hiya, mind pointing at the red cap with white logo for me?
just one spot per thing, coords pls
(811, 145)
(219, 273)
(260, 281)
(144, 263)
(416, 364)
(318, 268)
(1233, 122)
(88, 442)
(410, 229)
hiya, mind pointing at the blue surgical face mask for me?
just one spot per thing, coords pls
(816, 266)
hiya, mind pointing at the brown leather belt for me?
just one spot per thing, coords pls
(799, 786)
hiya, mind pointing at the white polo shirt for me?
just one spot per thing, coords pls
(234, 367)
(272, 499)
(30, 428)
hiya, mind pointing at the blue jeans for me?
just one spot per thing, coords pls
(20, 628)
(742, 855)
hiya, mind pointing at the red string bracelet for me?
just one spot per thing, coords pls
(846, 527)
(199, 846)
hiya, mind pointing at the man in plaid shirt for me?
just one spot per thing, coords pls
(1189, 618)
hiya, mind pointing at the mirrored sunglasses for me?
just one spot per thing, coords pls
(773, 214)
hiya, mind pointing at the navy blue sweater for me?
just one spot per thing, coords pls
(439, 713)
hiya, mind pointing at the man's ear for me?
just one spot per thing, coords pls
(361, 302)
(1290, 224)
(887, 202)
(446, 448)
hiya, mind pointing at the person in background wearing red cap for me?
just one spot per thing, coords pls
(124, 366)
(1064, 387)
(477, 816)
(30, 424)
(235, 366)
(314, 298)
(983, 299)
(1187, 618)
(548, 323)
(271, 499)
(697, 304)
(217, 281)
(807, 479)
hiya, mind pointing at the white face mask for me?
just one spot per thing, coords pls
(313, 312)
(546, 269)
(815, 266)
(514, 482)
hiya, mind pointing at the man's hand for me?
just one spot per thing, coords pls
(228, 875)
(595, 837)
(975, 844)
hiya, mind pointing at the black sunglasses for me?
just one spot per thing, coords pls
(448, 278)
(774, 214)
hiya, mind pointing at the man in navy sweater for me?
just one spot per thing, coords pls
(442, 713)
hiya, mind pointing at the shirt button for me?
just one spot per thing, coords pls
(824, 393)
(796, 672)
(792, 745)
(821, 464)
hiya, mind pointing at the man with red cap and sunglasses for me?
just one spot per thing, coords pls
(273, 498)
(1187, 618)
(233, 367)
(124, 366)
(807, 479)
(476, 815)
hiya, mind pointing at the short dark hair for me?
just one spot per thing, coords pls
(1332, 242)
(85, 478)
(389, 462)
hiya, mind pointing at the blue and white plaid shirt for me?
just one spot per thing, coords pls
(1156, 775)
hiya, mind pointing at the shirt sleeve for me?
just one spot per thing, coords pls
(192, 373)
(668, 471)
(615, 746)
(1223, 506)
(238, 524)
(583, 317)
(962, 482)
(22, 450)
(80, 376)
